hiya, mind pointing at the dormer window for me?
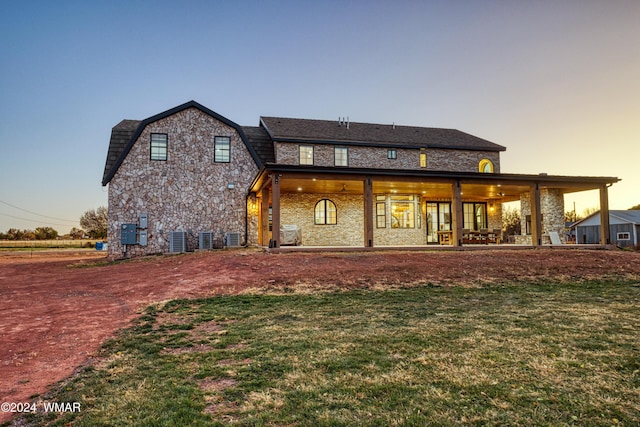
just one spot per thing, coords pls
(485, 166)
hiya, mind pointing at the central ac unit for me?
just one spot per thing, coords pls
(232, 239)
(177, 241)
(205, 240)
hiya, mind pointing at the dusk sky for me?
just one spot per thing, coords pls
(556, 82)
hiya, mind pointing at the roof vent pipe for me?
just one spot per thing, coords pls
(347, 122)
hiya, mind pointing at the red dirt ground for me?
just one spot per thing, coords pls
(54, 316)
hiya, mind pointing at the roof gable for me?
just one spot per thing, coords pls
(325, 131)
(118, 150)
(615, 217)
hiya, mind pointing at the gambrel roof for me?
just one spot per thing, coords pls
(125, 134)
(259, 139)
(354, 133)
(120, 136)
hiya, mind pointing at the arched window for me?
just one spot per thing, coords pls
(326, 213)
(485, 166)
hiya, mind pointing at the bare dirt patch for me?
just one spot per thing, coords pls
(55, 315)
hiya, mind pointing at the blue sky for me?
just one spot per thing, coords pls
(556, 82)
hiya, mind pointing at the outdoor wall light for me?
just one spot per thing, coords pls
(231, 186)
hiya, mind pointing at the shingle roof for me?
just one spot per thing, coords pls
(632, 216)
(120, 136)
(262, 144)
(287, 129)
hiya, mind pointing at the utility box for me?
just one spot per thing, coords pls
(128, 234)
(142, 241)
(143, 220)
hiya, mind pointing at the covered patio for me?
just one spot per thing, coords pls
(368, 208)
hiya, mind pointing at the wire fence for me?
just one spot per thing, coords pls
(27, 244)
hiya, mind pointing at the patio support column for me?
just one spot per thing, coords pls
(368, 213)
(275, 210)
(605, 232)
(264, 217)
(457, 221)
(536, 220)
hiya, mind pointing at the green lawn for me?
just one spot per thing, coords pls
(565, 354)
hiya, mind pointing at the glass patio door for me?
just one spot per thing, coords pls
(438, 219)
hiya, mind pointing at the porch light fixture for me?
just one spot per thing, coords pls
(231, 186)
(299, 188)
(344, 188)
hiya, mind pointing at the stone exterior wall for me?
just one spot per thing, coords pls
(460, 160)
(552, 210)
(298, 209)
(552, 207)
(494, 215)
(187, 192)
(253, 215)
(374, 157)
(389, 236)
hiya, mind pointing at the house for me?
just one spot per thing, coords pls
(188, 176)
(624, 228)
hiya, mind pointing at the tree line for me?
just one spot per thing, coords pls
(93, 223)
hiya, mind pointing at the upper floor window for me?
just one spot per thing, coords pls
(159, 146)
(423, 158)
(325, 213)
(341, 155)
(392, 154)
(306, 155)
(485, 166)
(222, 149)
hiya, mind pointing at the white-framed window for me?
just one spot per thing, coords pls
(325, 213)
(392, 154)
(222, 149)
(341, 155)
(624, 236)
(159, 142)
(306, 154)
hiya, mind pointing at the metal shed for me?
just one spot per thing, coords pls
(624, 227)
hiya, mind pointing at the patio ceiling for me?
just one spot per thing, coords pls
(434, 185)
(433, 190)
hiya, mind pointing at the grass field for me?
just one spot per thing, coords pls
(46, 244)
(555, 354)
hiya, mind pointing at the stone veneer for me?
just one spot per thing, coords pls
(552, 210)
(298, 209)
(187, 192)
(373, 157)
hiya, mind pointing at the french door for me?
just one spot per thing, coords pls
(438, 219)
